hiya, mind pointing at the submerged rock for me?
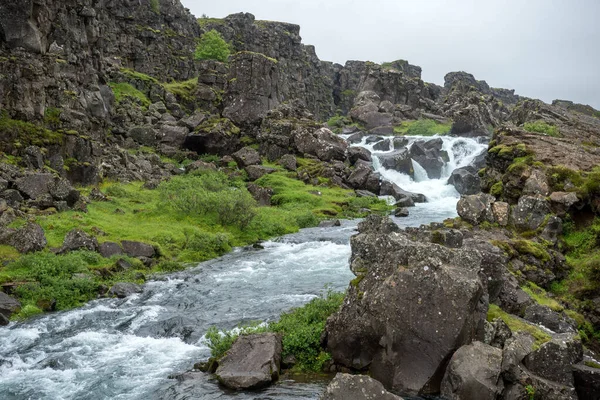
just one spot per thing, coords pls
(356, 387)
(252, 362)
(124, 289)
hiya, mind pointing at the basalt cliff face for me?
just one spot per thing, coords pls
(102, 89)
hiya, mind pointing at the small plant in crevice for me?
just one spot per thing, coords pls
(212, 46)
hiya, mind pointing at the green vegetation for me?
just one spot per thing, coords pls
(183, 90)
(125, 90)
(155, 6)
(518, 325)
(301, 329)
(212, 46)
(22, 134)
(542, 127)
(529, 247)
(139, 76)
(497, 189)
(530, 392)
(423, 127)
(541, 297)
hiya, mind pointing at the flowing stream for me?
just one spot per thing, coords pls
(127, 348)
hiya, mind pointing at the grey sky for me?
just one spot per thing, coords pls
(545, 49)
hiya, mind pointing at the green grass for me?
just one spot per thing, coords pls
(19, 134)
(124, 90)
(422, 127)
(542, 127)
(517, 325)
(541, 297)
(301, 329)
(184, 90)
(155, 6)
(533, 248)
(135, 75)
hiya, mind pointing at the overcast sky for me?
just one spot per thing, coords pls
(545, 49)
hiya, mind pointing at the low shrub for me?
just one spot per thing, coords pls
(542, 127)
(212, 46)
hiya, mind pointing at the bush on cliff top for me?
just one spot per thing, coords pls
(212, 46)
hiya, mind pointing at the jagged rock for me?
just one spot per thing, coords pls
(172, 135)
(27, 239)
(8, 307)
(447, 237)
(355, 138)
(137, 249)
(413, 281)
(365, 193)
(356, 387)
(473, 373)
(428, 156)
(62, 190)
(252, 362)
(516, 348)
(262, 195)
(529, 213)
(124, 289)
(501, 212)
(258, 171)
(465, 180)
(359, 176)
(330, 223)
(398, 160)
(476, 208)
(399, 142)
(359, 153)
(554, 359)
(408, 199)
(76, 239)
(12, 197)
(587, 382)
(34, 157)
(536, 184)
(109, 249)
(553, 229)
(384, 145)
(401, 212)
(289, 162)
(214, 136)
(34, 185)
(144, 135)
(561, 202)
(246, 156)
(322, 143)
(194, 120)
(545, 316)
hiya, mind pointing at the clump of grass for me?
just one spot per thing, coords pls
(529, 247)
(518, 325)
(17, 133)
(542, 127)
(301, 329)
(183, 90)
(423, 127)
(125, 90)
(541, 297)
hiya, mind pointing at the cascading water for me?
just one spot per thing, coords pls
(441, 197)
(126, 349)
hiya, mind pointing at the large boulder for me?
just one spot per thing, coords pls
(8, 307)
(252, 362)
(473, 373)
(412, 305)
(246, 156)
(465, 180)
(76, 239)
(34, 185)
(587, 382)
(356, 387)
(28, 239)
(398, 160)
(530, 212)
(553, 360)
(404, 197)
(358, 153)
(138, 249)
(322, 143)
(476, 208)
(124, 289)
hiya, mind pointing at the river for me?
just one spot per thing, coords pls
(127, 348)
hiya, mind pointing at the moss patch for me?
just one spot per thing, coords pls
(125, 90)
(518, 325)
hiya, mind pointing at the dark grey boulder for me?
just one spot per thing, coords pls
(476, 208)
(398, 160)
(405, 198)
(289, 162)
(356, 387)
(62, 190)
(8, 307)
(258, 171)
(384, 145)
(358, 153)
(554, 359)
(473, 373)
(359, 176)
(516, 348)
(252, 362)
(587, 382)
(109, 249)
(448, 237)
(13, 197)
(144, 135)
(262, 195)
(322, 143)
(373, 139)
(246, 156)
(138, 249)
(465, 180)
(28, 239)
(34, 185)
(330, 223)
(355, 138)
(401, 212)
(76, 239)
(530, 212)
(124, 289)
(400, 142)
(543, 315)
(413, 282)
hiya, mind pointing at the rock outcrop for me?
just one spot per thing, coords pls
(252, 362)
(356, 387)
